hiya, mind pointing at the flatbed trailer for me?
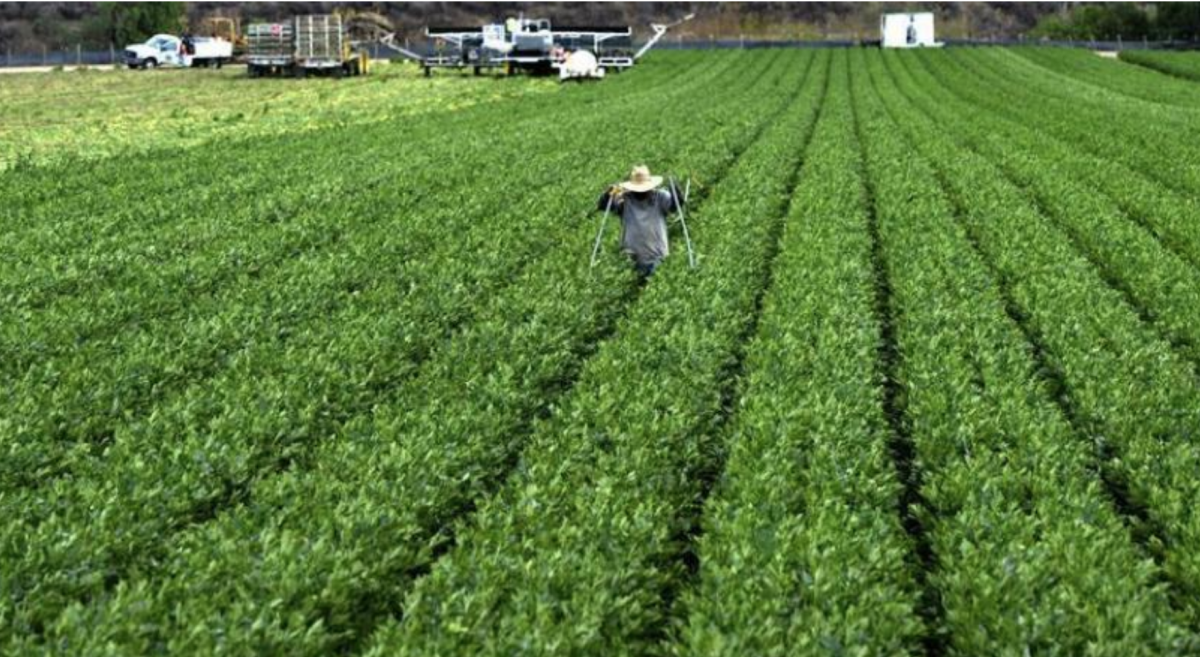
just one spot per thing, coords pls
(314, 43)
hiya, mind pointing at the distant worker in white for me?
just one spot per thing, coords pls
(643, 209)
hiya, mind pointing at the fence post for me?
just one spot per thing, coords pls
(742, 41)
(44, 60)
(1120, 44)
(78, 55)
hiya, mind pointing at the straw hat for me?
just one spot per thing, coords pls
(640, 180)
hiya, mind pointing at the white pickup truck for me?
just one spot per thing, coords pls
(170, 50)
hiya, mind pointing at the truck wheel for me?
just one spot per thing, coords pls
(150, 63)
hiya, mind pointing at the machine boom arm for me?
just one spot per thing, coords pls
(660, 30)
(389, 40)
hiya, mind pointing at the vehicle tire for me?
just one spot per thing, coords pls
(339, 72)
(299, 72)
(150, 63)
(220, 64)
(133, 67)
(253, 71)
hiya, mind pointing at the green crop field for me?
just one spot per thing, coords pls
(320, 367)
(1180, 64)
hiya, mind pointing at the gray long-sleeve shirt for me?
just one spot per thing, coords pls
(643, 221)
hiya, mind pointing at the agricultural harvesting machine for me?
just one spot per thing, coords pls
(534, 46)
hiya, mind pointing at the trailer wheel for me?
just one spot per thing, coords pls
(428, 71)
(477, 71)
(338, 72)
(220, 64)
(300, 72)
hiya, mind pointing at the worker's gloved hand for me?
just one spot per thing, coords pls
(615, 191)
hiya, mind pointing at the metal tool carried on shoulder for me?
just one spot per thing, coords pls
(614, 190)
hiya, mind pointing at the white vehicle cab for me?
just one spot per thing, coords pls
(907, 31)
(170, 50)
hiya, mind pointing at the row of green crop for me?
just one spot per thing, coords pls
(369, 269)
(1128, 80)
(1163, 286)
(1184, 65)
(1166, 213)
(51, 118)
(1145, 136)
(79, 243)
(106, 182)
(802, 548)
(582, 550)
(65, 226)
(333, 540)
(160, 289)
(1132, 394)
(1025, 544)
(90, 391)
(1124, 387)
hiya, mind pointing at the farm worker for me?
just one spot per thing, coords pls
(643, 209)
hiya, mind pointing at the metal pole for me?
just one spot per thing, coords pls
(683, 220)
(600, 234)
(78, 55)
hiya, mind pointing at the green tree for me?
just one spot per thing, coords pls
(131, 22)
(1104, 22)
(1178, 20)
